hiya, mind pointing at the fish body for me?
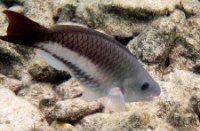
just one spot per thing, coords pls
(93, 60)
(97, 61)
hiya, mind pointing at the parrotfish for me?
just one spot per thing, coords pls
(103, 66)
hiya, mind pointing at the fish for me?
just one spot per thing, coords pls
(104, 67)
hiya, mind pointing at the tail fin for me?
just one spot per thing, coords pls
(21, 30)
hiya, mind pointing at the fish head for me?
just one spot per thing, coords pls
(140, 87)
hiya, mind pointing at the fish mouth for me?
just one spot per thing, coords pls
(154, 94)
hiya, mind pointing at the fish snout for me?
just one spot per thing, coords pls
(156, 92)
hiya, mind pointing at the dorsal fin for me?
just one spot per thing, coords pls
(21, 30)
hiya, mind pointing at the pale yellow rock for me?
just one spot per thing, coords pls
(63, 126)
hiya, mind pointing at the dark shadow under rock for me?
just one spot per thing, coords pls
(196, 69)
(14, 59)
(182, 117)
(124, 40)
(195, 104)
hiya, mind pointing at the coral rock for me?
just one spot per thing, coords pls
(38, 92)
(10, 83)
(69, 89)
(17, 113)
(75, 109)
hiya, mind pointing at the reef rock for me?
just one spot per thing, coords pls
(195, 104)
(181, 118)
(192, 7)
(123, 121)
(39, 11)
(17, 113)
(14, 60)
(38, 92)
(179, 85)
(3, 21)
(75, 109)
(69, 89)
(155, 42)
(12, 84)
(170, 41)
(115, 17)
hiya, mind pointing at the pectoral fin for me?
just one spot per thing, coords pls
(115, 101)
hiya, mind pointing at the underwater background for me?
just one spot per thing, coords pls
(163, 34)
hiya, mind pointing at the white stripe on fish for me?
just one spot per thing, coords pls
(83, 63)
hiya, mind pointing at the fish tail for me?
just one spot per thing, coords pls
(22, 30)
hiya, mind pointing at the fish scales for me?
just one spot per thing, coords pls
(79, 74)
(97, 49)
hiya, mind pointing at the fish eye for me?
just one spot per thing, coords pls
(145, 86)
